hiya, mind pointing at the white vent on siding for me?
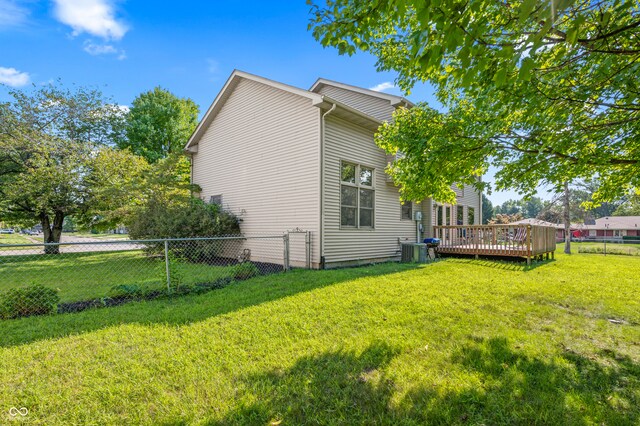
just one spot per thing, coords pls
(216, 199)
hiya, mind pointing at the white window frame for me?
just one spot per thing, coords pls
(358, 187)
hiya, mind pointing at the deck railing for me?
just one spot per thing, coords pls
(530, 241)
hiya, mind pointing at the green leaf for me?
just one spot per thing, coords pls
(525, 69)
(500, 77)
(525, 10)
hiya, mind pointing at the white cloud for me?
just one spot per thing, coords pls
(103, 49)
(95, 17)
(383, 86)
(12, 14)
(14, 78)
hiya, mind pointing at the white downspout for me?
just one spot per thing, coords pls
(322, 133)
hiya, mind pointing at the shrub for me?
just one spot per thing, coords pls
(184, 219)
(26, 301)
(245, 270)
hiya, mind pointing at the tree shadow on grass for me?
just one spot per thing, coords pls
(332, 388)
(181, 310)
(509, 388)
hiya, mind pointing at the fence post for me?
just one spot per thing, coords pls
(307, 242)
(166, 264)
(286, 252)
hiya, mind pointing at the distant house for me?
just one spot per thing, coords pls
(281, 157)
(613, 227)
(559, 227)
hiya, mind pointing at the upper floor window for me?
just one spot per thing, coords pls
(459, 189)
(357, 196)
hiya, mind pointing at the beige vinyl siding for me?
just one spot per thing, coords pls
(370, 105)
(345, 141)
(465, 197)
(471, 198)
(261, 152)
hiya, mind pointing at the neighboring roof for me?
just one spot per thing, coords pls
(532, 221)
(616, 222)
(393, 99)
(320, 101)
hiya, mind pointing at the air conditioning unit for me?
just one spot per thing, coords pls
(414, 253)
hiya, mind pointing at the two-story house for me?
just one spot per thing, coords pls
(281, 157)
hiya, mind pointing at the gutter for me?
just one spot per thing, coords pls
(322, 134)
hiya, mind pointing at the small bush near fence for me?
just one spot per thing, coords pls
(245, 271)
(26, 301)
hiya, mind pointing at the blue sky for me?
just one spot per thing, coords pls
(188, 47)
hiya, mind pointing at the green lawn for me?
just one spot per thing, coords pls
(85, 276)
(456, 342)
(14, 239)
(96, 236)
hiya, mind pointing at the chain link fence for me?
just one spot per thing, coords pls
(622, 246)
(38, 279)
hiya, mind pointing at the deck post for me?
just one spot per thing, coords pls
(476, 240)
(529, 245)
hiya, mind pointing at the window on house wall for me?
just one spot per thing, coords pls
(407, 211)
(216, 199)
(459, 215)
(471, 216)
(447, 212)
(357, 196)
(440, 216)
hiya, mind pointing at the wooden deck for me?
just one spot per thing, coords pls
(529, 241)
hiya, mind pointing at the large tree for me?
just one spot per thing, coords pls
(159, 123)
(630, 206)
(527, 207)
(487, 209)
(547, 91)
(55, 160)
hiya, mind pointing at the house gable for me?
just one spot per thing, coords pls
(376, 104)
(229, 87)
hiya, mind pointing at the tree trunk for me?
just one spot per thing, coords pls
(52, 231)
(567, 219)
